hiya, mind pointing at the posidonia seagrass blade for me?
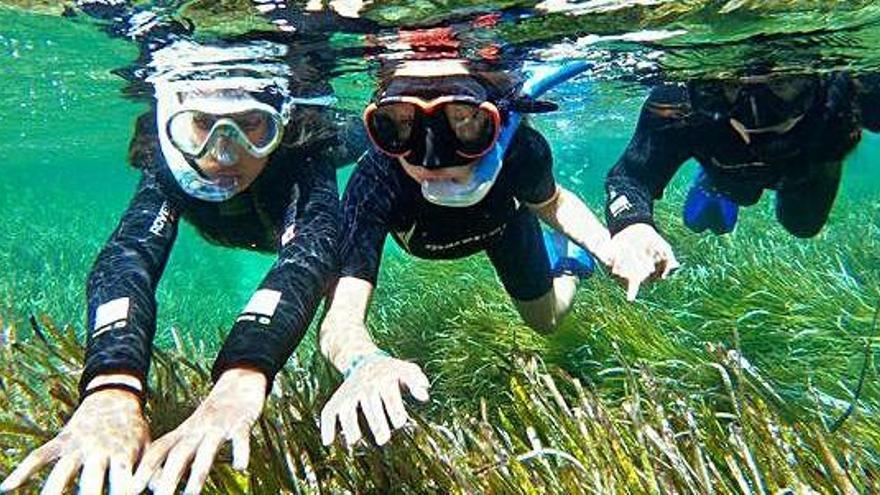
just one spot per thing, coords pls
(550, 435)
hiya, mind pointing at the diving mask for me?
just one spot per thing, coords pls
(758, 104)
(221, 130)
(443, 132)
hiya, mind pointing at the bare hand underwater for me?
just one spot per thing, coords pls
(228, 413)
(242, 141)
(112, 449)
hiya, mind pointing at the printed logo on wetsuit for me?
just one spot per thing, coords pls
(111, 315)
(261, 308)
(405, 236)
(619, 205)
(466, 240)
(162, 218)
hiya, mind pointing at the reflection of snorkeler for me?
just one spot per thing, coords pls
(789, 133)
(431, 121)
(157, 21)
(249, 166)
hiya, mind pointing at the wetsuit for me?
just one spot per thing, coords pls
(381, 199)
(802, 165)
(292, 209)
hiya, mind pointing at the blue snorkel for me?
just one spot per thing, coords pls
(449, 193)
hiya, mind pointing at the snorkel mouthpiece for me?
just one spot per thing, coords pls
(461, 195)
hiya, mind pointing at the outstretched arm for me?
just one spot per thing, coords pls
(373, 379)
(568, 214)
(122, 285)
(263, 337)
(275, 320)
(535, 185)
(657, 150)
(659, 146)
(344, 336)
(108, 430)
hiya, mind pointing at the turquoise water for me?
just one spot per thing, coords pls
(65, 127)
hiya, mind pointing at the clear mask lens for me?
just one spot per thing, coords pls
(197, 134)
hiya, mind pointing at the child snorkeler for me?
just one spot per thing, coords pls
(431, 123)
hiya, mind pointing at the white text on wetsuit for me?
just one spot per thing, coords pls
(162, 218)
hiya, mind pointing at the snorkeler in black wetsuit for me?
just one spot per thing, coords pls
(788, 133)
(381, 199)
(431, 121)
(249, 165)
(289, 209)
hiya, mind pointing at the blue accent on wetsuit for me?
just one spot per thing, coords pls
(566, 257)
(706, 208)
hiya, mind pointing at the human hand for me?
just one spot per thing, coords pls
(107, 432)
(374, 386)
(602, 248)
(639, 254)
(227, 413)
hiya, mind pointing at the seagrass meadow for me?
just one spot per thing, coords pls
(752, 370)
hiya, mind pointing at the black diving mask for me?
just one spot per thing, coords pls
(758, 104)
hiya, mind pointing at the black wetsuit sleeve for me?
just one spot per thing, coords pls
(869, 101)
(367, 205)
(122, 285)
(532, 159)
(278, 315)
(658, 148)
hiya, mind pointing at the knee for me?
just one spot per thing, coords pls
(803, 228)
(542, 318)
(544, 326)
(545, 313)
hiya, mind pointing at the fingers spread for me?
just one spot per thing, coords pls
(91, 481)
(177, 462)
(328, 422)
(632, 288)
(33, 462)
(394, 406)
(61, 475)
(371, 405)
(417, 384)
(120, 477)
(349, 420)
(154, 480)
(152, 461)
(241, 448)
(201, 466)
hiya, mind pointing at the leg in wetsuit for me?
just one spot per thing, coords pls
(803, 207)
(521, 261)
